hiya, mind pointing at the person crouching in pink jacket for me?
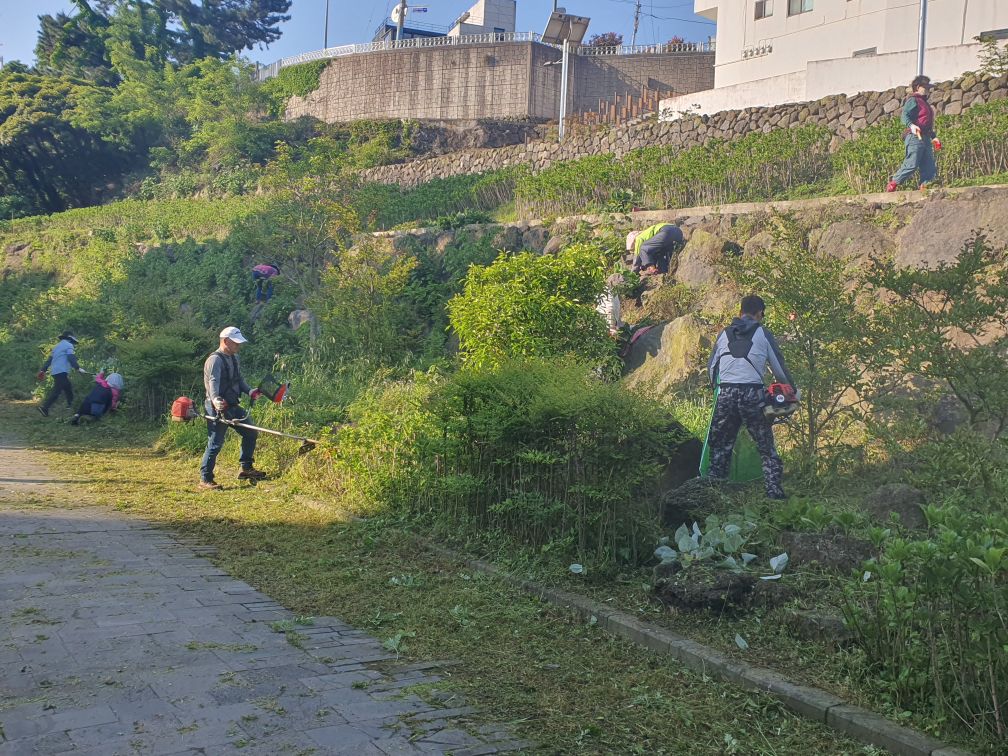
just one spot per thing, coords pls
(104, 397)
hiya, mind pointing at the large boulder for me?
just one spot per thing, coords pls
(696, 263)
(938, 231)
(298, 318)
(508, 238)
(904, 501)
(668, 356)
(555, 244)
(854, 240)
(535, 238)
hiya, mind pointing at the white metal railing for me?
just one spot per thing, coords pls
(645, 49)
(267, 71)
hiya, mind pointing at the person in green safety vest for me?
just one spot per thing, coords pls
(653, 248)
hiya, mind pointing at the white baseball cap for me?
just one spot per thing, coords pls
(630, 239)
(234, 334)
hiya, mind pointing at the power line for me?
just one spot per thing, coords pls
(681, 20)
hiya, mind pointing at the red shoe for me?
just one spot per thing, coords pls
(892, 186)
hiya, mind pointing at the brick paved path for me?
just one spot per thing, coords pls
(115, 638)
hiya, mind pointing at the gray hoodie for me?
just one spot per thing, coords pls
(754, 348)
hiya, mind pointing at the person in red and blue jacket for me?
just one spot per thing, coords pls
(919, 137)
(261, 273)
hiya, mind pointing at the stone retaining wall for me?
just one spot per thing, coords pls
(843, 116)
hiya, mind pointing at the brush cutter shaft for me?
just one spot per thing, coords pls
(249, 426)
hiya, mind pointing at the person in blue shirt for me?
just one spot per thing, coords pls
(61, 361)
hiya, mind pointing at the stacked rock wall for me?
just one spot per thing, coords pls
(843, 116)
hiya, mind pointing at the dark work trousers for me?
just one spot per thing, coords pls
(737, 405)
(61, 385)
(215, 442)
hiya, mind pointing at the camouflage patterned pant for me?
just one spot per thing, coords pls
(737, 405)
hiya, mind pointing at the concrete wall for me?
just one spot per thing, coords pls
(439, 83)
(836, 29)
(853, 75)
(600, 77)
(846, 76)
(505, 80)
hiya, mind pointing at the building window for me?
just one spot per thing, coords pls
(799, 6)
(764, 9)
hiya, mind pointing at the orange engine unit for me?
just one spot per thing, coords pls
(183, 410)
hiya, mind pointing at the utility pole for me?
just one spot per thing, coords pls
(922, 37)
(636, 22)
(563, 88)
(325, 34)
(401, 20)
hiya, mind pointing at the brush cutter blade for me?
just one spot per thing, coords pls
(273, 389)
(306, 446)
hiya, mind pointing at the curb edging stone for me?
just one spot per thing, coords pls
(813, 703)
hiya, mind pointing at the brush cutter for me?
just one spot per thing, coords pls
(184, 410)
(781, 402)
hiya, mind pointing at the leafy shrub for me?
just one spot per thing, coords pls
(949, 321)
(547, 454)
(757, 166)
(157, 369)
(993, 57)
(292, 81)
(361, 303)
(866, 163)
(460, 219)
(932, 617)
(963, 467)
(383, 206)
(585, 184)
(529, 305)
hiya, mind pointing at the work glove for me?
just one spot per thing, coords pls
(256, 393)
(936, 143)
(40, 375)
(219, 404)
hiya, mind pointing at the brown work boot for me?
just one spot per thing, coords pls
(209, 485)
(250, 473)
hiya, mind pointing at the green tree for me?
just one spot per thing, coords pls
(949, 323)
(181, 31)
(363, 306)
(74, 46)
(530, 305)
(48, 154)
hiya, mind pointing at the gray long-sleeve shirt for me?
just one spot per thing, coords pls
(750, 367)
(222, 378)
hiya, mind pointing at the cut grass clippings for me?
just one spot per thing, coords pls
(561, 683)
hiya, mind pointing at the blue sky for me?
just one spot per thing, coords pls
(355, 21)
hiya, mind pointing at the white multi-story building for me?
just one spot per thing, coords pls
(486, 17)
(775, 51)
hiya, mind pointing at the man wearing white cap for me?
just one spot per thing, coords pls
(224, 385)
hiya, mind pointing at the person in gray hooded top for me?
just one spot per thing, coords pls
(737, 364)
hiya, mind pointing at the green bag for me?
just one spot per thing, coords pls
(746, 465)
